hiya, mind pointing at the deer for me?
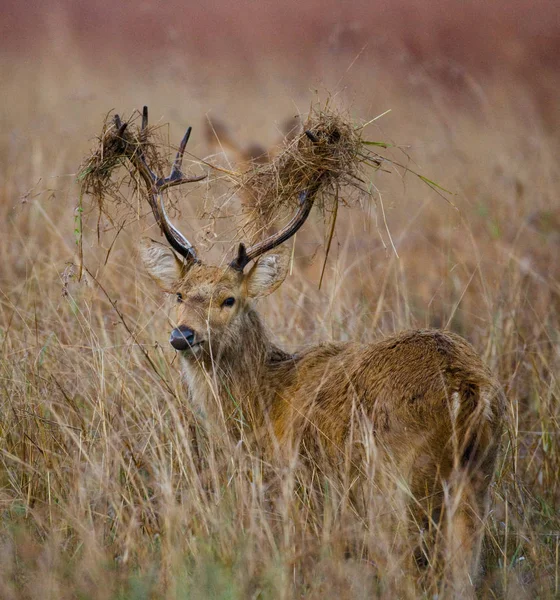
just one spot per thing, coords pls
(432, 404)
(219, 137)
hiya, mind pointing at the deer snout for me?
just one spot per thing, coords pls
(182, 338)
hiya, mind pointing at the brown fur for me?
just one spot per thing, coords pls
(434, 409)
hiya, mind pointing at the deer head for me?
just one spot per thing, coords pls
(214, 304)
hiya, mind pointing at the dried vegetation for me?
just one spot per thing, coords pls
(113, 486)
(329, 151)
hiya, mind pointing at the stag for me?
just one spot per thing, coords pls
(432, 404)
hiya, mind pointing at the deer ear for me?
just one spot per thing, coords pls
(161, 263)
(267, 274)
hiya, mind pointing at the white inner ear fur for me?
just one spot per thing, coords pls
(161, 263)
(267, 274)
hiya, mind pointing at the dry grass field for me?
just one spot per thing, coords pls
(111, 486)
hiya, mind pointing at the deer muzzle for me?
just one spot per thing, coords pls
(182, 338)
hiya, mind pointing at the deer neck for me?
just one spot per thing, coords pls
(237, 376)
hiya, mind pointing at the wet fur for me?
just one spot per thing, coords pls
(434, 408)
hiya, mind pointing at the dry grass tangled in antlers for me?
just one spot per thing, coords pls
(330, 150)
(96, 174)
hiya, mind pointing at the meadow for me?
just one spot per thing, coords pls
(109, 486)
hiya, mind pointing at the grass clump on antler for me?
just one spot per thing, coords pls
(96, 175)
(329, 152)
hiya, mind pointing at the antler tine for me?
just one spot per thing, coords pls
(176, 177)
(120, 126)
(144, 119)
(135, 153)
(177, 163)
(156, 185)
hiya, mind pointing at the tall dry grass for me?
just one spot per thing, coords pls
(113, 486)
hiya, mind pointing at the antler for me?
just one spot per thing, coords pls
(156, 185)
(306, 200)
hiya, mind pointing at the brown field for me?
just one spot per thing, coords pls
(109, 485)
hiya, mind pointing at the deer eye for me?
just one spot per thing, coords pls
(179, 298)
(229, 301)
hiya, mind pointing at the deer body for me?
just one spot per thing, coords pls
(428, 396)
(432, 406)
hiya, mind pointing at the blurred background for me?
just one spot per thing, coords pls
(256, 39)
(272, 54)
(468, 90)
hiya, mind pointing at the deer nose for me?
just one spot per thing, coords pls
(182, 338)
